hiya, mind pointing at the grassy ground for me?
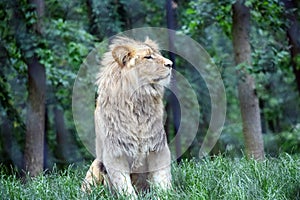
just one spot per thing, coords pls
(218, 178)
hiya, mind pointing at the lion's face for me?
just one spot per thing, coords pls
(143, 61)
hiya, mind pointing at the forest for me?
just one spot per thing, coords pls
(254, 46)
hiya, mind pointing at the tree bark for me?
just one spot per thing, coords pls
(174, 104)
(66, 151)
(34, 145)
(91, 17)
(63, 148)
(246, 85)
(293, 32)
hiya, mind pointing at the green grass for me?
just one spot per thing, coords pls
(217, 178)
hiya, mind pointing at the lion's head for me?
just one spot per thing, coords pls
(136, 64)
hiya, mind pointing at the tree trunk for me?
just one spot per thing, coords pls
(293, 33)
(91, 17)
(63, 149)
(246, 86)
(34, 146)
(174, 104)
(66, 150)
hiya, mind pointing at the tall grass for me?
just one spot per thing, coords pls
(216, 178)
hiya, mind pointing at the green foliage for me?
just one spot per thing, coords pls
(202, 13)
(231, 140)
(267, 13)
(270, 67)
(289, 141)
(286, 141)
(151, 17)
(66, 46)
(106, 15)
(216, 178)
(210, 23)
(61, 47)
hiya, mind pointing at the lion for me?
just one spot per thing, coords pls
(131, 145)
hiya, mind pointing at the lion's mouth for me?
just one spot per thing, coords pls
(161, 78)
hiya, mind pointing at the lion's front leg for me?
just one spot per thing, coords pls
(118, 173)
(94, 176)
(121, 182)
(160, 168)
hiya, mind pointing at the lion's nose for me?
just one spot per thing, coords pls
(168, 63)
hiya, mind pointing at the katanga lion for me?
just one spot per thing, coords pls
(131, 144)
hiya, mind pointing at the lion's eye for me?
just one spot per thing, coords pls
(148, 57)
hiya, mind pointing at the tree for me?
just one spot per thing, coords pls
(35, 124)
(246, 85)
(174, 104)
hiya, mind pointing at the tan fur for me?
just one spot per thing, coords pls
(130, 138)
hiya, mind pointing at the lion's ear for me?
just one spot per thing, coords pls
(122, 55)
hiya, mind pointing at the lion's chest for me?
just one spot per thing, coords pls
(133, 129)
(130, 137)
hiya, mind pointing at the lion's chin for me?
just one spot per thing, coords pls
(162, 79)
